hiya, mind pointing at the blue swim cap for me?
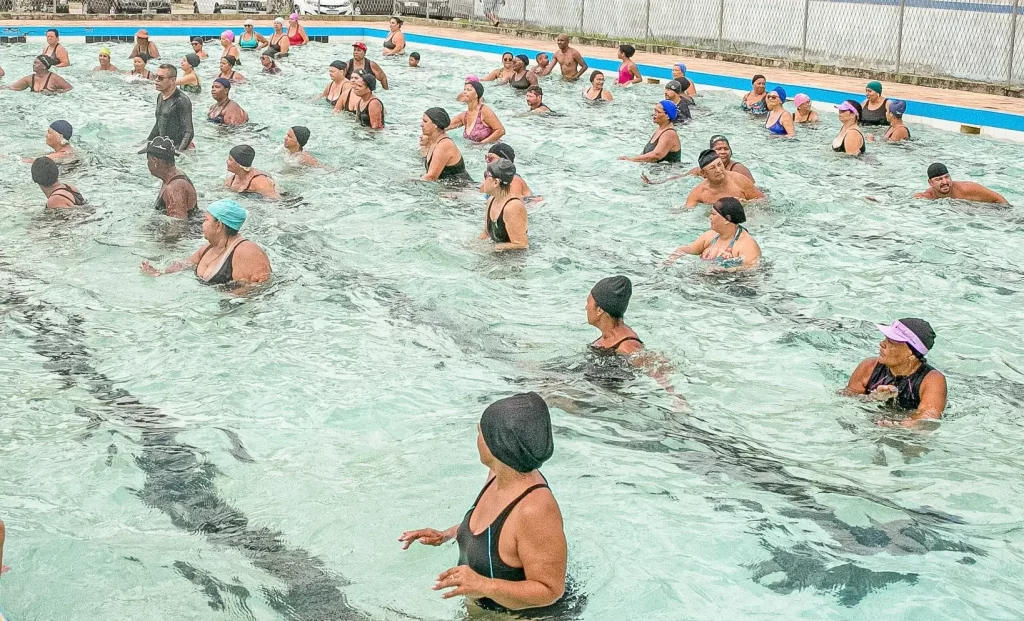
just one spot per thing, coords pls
(670, 109)
(682, 67)
(781, 92)
(63, 128)
(229, 213)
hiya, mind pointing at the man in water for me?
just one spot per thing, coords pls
(941, 186)
(570, 60)
(719, 182)
(58, 195)
(173, 110)
(414, 59)
(535, 99)
(224, 110)
(177, 196)
(295, 140)
(901, 375)
(543, 66)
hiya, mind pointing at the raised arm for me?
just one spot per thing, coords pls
(457, 122)
(21, 84)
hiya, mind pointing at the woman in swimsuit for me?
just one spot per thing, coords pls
(56, 52)
(897, 131)
(479, 123)
(269, 65)
(606, 305)
(804, 111)
(244, 178)
(45, 174)
(250, 39)
(505, 214)
(505, 73)
(850, 139)
(104, 58)
(507, 560)
(779, 121)
(228, 47)
(279, 39)
(139, 69)
(727, 245)
(441, 157)
(227, 257)
(296, 33)
(225, 111)
(395, 43)
(369, 109)
(58, 137)
(521, 78)
(197, 48)
(678, 73)
(338, 87)
(227, 71)
(42, 79)
(664, 144)
(629, 73)
(596, 91)
(144, 47)
(188, 81)
(500, 150)
(875, 106)
(753, 102)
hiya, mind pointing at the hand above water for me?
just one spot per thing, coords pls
(464, 581)
(884, 393)
(148, 269)
(426, 536)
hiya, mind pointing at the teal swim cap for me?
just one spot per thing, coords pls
(229, 213)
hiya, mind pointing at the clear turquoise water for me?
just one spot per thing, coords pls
(355, 380)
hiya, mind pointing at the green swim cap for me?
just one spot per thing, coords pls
(876, 86)
(229, 213)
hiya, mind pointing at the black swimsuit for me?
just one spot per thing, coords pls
(32, 85)
(613, 349)
(54, 61)
(496, 228)
(388, 43)
(453, 172)
(224, 274)
(161, 206)
(522, 83)
(363, 114)
(246, 190)
(351, 68)
(671, 156)
(874, 117)
(908, 386)
(333, 102)
(76, 197)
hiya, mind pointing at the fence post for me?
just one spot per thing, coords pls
(721, 22)
(899, 38)
(807, 17)
(524, 12)
(1013, 41)
(583, 4)
(647, 31)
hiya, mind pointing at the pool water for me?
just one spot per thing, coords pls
(171, 451)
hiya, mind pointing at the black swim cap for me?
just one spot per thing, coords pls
(340, 64)
(718, 138)
(231, 60)
(301, 134)
(731, 209)
(193, 60)
(937, 170)
(503, 170)
(243, 154)
(675, 86)
(503, 151)
(477, 86)
(47, 62)
(612, 295)
(439, 117)
(44, 171)
(415, 55)
(63, 128)
(517, 431)
(525, 59)
(269, 53)
(369, 79)
(707, 156)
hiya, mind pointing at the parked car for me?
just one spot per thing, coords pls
(252, 6)
(215, 6)
(112, 7)
(325, 7)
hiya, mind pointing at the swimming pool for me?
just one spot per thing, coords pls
(284, 442)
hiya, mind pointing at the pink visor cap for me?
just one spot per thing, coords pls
(918, 335)
(846, 106)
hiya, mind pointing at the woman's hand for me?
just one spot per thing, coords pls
(149, 270)
(884, 393)
(464, 581)
(426, 536)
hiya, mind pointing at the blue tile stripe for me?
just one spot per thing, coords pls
(957, 114)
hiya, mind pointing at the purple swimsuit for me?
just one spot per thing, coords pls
(480, 130)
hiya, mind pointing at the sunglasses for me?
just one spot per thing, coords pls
(161, 78)
(506, 59)
(772, 96)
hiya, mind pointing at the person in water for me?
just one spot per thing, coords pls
(295, 140)
(228, 47)
(144, 48)
(225, 111)
(269, 64)
(874, 106)
(568, 59)
(139, 70)
(597, 91)
(678, 74)
(479, 122)
(177, 197)
(719, 183)
(58, 138)
(104, 59)
(726, 244)
(521, 77)
(779, 121)
(664, 144)
(394, 44)
(296, 32)
(504, 73)
(58, 195)
(850, 139)
(606, 306)
(543, 65)
(441, 157)
(505, 214)
(502, 150)
(942, 186)
(753, 102)
(279, 40)
(369, 109)
(197, 48)
(901, 375)
(173, 110)
(897, 131)
(720, 145)
(227, 70)
(42, 79)
(512, 549)
(336, 91)
(629, 73)
(359, 62)
(535, 100)
(674, 92)
(414, 59)
(226, 257)
(804, 109)
(54, 50)
(188, 81)
(3, 537)
(244, 178)
(250, 39)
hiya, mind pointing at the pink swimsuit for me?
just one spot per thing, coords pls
(625, 76)
(480, 130)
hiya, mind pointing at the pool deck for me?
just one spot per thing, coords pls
(701, 71)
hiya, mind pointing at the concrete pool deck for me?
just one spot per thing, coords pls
(995, 115)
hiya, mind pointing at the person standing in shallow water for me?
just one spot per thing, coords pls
(606, 306)
(177, 196)
(901, 375)
(295, 140)
(173, 110)
(525, 568)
